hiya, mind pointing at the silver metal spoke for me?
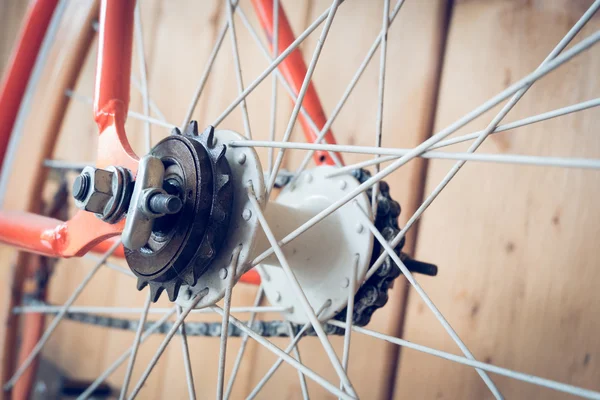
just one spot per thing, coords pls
(523, 122)
(132, 114)
(238, 67)
(59, 317)
(110, 265)
(300, 295)
(225, 320)
(44, 309)
(272, 66)
(349, 316)
(135, 346)
(381, 91)
(559, 386)
(60, 164)
(275, 51)
(187, 363)
(293, 343)
(296, 351)
(135, 82)
(307, 79)
(113, 367)
(349, 89)
(206, 72)
(281, 78)
(141, 53)
(238, 360)
(400, 154)
(164, 345)
(286, 357)
(482, 135)
(390, 251)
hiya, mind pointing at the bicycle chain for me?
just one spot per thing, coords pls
(373, 294)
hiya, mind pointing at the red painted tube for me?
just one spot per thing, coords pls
(21, 65)
(293, 69)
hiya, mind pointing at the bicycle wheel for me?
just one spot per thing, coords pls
(335, 187)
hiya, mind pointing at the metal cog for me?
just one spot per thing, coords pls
(182, 247)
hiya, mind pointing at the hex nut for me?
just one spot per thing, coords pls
(100, 191)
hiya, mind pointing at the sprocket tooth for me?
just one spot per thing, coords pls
(189, 277)
(141, 284)
(207, 248)
(209, 136)
(155, 291)
(192, 128)
(222, 181)
(173, 290)
(219, 214)
(175, 131)
(222, 152)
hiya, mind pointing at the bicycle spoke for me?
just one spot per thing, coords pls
(187, 363)
(349, 314)
(401, 154)
(132, 114)
(296, 351)
(112, 368)
(207, 69)
(559, 386)
(381, 90)
(44, 309)
(286, 357)
(135, 82)
(242, 350)
(272, 66)
(300, 295)
(307, 78)
(390, 251)
(225, 320)
(275, 49)
(60, 164)
(349, 89)
(164, 345)
(523, 122)
(135, 346)
(139, 44)
(281, 79)
(238, 67)
(59, 317)
(110, 265)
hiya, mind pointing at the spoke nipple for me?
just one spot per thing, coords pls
(246, 214)
(343, 185)
(360, 228)
(242, 159)
(278, 297)
(309, 178)
(164, 204)
(345, 282)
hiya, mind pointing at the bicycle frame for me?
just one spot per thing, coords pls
(84, 232)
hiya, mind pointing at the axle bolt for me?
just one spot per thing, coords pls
(81, 186)
(162, 203)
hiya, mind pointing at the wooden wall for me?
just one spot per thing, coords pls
(515, 245)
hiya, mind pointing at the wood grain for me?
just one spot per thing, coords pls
(516, 246)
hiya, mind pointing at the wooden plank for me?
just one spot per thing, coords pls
(516, 246)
